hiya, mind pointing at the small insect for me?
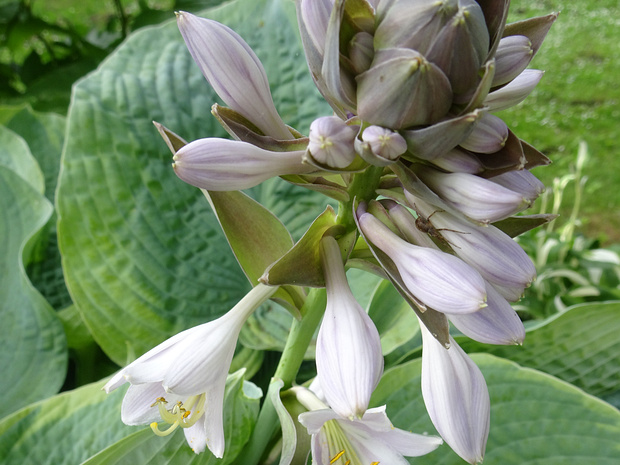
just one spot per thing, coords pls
(425, 225)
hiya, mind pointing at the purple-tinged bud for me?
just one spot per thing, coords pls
(476, 197)
(406, 223)
(458, 161)
(402, 89)
(514, 92)
(489, 135)
(461, 47)
(440, 280)
(361, 51)
(331, 142)
(497, 323)
(456, 397)
(234, 71)
(348, 350)
(403, 23)
(380, 146)
(521, 181)
(513, 55)
(228, 165)
(494, 254)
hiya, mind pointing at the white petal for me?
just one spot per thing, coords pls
(456, 397)
(214, 419)
(410, 444)
(136, 408)
(315, 419)
(514, 92)
(196, 435)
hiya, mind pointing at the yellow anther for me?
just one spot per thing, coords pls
(186, 414)
(159, 400)
(336, 457)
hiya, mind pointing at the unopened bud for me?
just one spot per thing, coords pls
(402, 89)
(489, 135)
(513, 55)
(380, 146)
(331, 142)
(361, 51)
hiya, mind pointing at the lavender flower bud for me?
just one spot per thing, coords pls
(521, 181)
(513, 55)
(438, 279)
(489, 135)
(227, 165)
(458, 161)
(477, 198)
(513, 92)
(385, 146)
(361, 51)
(331, 142)
(234, 71)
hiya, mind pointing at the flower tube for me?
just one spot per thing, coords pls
(182, 380)
(348, 351)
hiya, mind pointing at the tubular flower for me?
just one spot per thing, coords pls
(182, 380)
(438, 279)
(456, 397)
(366, 441)
(349, 361)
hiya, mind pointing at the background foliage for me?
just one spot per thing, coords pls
(105, 252)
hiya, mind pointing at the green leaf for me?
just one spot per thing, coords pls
(33, 353)
(241, 405)
(16, 156)
(143, 256)
(580, 346)
(536, 419)
(45, 135)
(393, 317)
(65, 429)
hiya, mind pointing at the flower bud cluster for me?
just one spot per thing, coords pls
(413, 85)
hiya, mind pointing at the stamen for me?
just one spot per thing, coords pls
(336, 457)
(158, 432)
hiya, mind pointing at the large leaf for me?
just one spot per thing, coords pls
(241, 405)
(580, 346)
(535, 418)
(45, 135)
(143, 254)
(17, 157)
(33, 352)
(64, 430)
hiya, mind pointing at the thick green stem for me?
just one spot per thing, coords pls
(292, 357)
(363, 187)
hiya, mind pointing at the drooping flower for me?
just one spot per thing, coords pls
(456, 397)
(182, 380)
(348, 353)
(439, 280)
(369, 440)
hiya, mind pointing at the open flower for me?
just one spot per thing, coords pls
(182, 380)
(371, 439)
(348, 352)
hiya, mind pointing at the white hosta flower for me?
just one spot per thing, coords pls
(233, 70)
(228, 165)
(348, 351)
(182, 380)
(366, 441)
(439, 280)
(456, 397)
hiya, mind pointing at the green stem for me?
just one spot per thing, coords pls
(292, 357)
(363, 187)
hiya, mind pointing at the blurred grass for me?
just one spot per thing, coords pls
(577, 99)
